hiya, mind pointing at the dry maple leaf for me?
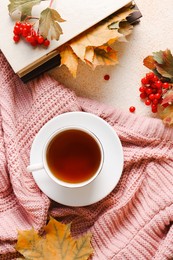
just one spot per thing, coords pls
(56, 243)
(48, 24)
(90, 45)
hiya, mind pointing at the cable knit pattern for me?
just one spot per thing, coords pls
(133, 222)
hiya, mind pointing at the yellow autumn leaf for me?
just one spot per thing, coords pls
(99, 34)
(56, 243)
(69, 59)
(90, 45)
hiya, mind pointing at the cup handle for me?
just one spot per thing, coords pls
(34, 167)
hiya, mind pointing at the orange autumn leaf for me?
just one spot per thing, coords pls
(69, 59)
(88, 46)
(99, 34)
(56, 243)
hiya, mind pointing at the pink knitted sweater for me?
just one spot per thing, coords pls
(134, 222)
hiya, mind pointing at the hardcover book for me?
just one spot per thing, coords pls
(78, 15)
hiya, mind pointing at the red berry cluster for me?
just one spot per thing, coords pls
(26, 30)
(152, 90)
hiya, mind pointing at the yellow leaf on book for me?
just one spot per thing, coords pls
(69, 59)
(91, 46)
(56, 243)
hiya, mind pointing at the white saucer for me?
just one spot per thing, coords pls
(105, 181)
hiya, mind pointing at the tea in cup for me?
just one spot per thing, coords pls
(72, 157)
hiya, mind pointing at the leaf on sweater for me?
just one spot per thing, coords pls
(162, 64)
(56, 243)
(89, 46)
(48, 24)
(24, 7)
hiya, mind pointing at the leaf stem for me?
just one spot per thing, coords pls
(51, 2)
(31, 17)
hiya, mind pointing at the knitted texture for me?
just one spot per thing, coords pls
(133, 222)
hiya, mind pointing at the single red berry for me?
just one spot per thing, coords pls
(151, 96)
(158, 84)
(28, 27)
(155, 78)
(16, 29)
(18, 23)
(143, 95)
(34, 42)
(157, 95)
(16, 38)
(148, 102)
(132, 109)
(155, 101)
(46, 43)
(21, 30)
(29, 38)
(106, 77)
(142, 89)
(150, 75)
(165, 85)
(154, 108)
(40, 39)
(24, 32)
(149, 91)
(144, 81)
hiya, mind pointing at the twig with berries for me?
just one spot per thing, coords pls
(157, 86)
(35, 30)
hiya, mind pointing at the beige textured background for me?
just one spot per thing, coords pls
(153, 33)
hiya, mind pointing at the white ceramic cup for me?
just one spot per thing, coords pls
(44, 164)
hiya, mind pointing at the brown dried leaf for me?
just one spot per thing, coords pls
(57, 243)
